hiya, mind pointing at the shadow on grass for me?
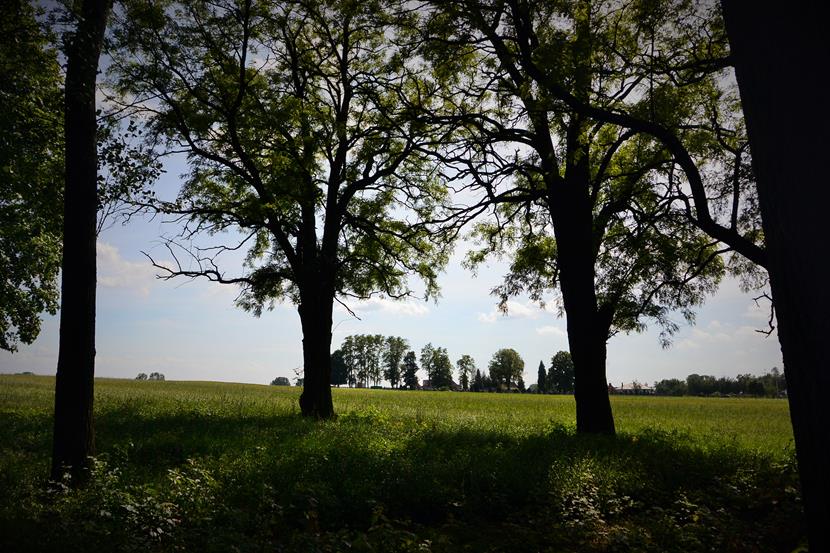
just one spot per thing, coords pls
(197, 481)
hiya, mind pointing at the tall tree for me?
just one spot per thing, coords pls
(74, 438)
(541, 379)
(392, 356)
(410, 371)
(436, 362)
(298, 124)
(506, 367)
(339, 371)
(777, 51)
(560, 377)
(466, 367)
(31, 172)
(478, 382)
(590, 209)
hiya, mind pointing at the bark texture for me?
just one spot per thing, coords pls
(74, 438)
(779, 53)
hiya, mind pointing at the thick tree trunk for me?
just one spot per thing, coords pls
(572, 217)
(73, 440)
(315, 316)
(778, 53)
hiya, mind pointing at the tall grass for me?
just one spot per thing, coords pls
(217, 467)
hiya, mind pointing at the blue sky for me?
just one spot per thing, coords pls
(191, 330)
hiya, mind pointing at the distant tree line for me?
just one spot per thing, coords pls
(771, 384)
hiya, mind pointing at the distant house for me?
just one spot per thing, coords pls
(631, 389)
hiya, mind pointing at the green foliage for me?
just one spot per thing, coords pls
(466, 366)
(297, 122)
(394, 350)
(410, 371)
(213, 467)
(506, 367)
(541, 379)
(560, 378)
(436, 362)
(31, 174)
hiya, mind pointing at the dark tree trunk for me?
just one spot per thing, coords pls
(74, 440)
(572, 216)
(779, 52)
(315, 310)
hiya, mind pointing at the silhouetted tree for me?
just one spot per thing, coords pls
(541, 379)
(141, 376)
(561, 373)
(591, 209)
(73, 436)
(314, 155)
(281, 381)
(478, 382)
(339, 373)
(410, 371)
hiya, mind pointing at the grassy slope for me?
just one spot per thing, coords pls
(206, 465)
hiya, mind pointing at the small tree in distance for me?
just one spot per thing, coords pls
(506, 367)
(141, 376)
(466, 366)
(541, 379)
(410, 371)
(561, 373)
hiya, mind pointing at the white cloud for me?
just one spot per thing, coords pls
(515, 310)
(552, 330)
(406, 308)
(116, 272)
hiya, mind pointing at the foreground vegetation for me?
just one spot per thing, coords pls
(229, 467)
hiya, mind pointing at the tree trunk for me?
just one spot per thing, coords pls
(778, 53)
(587, 330)
(73, 440)
(315, 317)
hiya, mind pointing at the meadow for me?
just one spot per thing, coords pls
(199, 466)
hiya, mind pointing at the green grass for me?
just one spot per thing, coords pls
(201, 466)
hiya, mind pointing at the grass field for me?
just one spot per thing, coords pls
(199, 466)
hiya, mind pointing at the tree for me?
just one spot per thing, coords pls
(141, 376)
(73, 436)
(436, 362)
(410, 371)
(590, 208)
(392, 356)
(478, 382)
(541, 379)
(315, 156)
(281, 381)
(787, 135)
(31, 171)
(560, 377)
(670, 387)
(466, 365)
(156, 376)
(339, 373)
(506, 367)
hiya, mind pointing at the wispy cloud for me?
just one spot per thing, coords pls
(404, 308)
(551, 330)
(118, 273)
(515, 310)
